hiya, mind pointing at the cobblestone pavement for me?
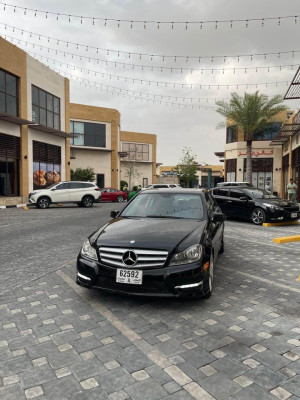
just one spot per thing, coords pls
(60, 341)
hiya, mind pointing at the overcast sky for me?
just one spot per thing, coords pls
(175, 127)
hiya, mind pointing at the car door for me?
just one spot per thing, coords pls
(221, 196)
(75, 191)
(237, 207)
(59, 193)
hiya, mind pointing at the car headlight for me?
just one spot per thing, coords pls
(189, 255)
(89, 251)
(273, 207)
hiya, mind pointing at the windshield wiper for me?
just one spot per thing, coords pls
(163, 216)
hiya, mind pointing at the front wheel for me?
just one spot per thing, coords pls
(43, 202)
(119, 199)
(87, 202)
(258, 216)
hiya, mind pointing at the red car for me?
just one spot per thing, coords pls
(111, 194)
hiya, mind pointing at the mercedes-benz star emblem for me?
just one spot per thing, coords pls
(129, 258)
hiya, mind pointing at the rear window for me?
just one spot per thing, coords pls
(87, 185)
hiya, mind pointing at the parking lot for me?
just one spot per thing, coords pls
(61, 341)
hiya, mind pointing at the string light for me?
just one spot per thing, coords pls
(161, 83)
(153, 56)
(145, 22)
(150, 67)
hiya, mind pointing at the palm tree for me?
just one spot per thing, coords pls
(251, 113)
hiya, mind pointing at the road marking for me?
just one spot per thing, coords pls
(155, 355)
(287, 239)
(258, 278)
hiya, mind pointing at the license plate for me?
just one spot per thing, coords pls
(130, 276)
(294, 215)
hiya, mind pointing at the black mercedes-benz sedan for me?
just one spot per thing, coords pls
(164, 242)
(253, 204)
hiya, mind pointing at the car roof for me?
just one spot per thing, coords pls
(234, 187)
(173, 190)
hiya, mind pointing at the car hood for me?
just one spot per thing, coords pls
(276, 202)
(150, 233)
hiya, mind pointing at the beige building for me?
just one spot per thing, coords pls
(266, 157)
(36, 148)
(34, 125)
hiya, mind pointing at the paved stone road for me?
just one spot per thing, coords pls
(61, 341)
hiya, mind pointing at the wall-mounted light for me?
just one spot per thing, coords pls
(240, 169)
(112, 169)
(69, 163)
(25, 157)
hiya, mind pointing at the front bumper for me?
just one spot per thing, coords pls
(284, 215)
(175, 281)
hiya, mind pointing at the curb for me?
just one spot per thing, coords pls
(286, 223)
(287, 239)
(14, 206)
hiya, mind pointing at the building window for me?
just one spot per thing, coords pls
(137, 152)
(88, 134)
(268, 133)
(230, 166)
(46, 164)
(45, 108)
(262, 172)
(8, 93)
(231, 134)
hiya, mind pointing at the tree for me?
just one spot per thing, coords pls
(250, 113)
(83, 174)
(130, 165)
(187, 166)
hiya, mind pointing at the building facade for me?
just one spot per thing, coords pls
(34, 125)
(138, 158)
(37, 148)
(266, 157)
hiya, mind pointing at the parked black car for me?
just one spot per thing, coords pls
(254, 204)
(163, 243)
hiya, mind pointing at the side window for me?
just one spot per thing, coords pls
(62, 186)
(236, 194)
(74, 185)
(221, 192)
(87, 185)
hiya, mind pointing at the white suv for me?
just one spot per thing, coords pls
(82, 193)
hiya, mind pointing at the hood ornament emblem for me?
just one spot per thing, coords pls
(129, 258)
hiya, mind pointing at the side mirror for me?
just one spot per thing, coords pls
(243, 198)
(114, 214)
(53, 189)
(218, 217)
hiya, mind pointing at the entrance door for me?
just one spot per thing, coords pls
(8, 177)
(100, 180)
(145, 182)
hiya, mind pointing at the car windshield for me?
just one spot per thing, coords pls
(260, 194)
(166, 205)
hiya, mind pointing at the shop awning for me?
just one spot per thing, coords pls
(293, 91)
(47, 129)
(13, 119)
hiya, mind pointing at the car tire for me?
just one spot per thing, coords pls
(258, 216)
(87, 201)
(221, 251)
(120, 199)
(43, 202)
(210, 277)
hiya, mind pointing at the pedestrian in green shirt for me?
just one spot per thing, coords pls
(292, 191)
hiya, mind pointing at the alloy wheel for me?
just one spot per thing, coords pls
(120, 199)
(43, 203)
(258, 216)
(87, 202)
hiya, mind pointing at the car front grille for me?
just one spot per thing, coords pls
(113, 256)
